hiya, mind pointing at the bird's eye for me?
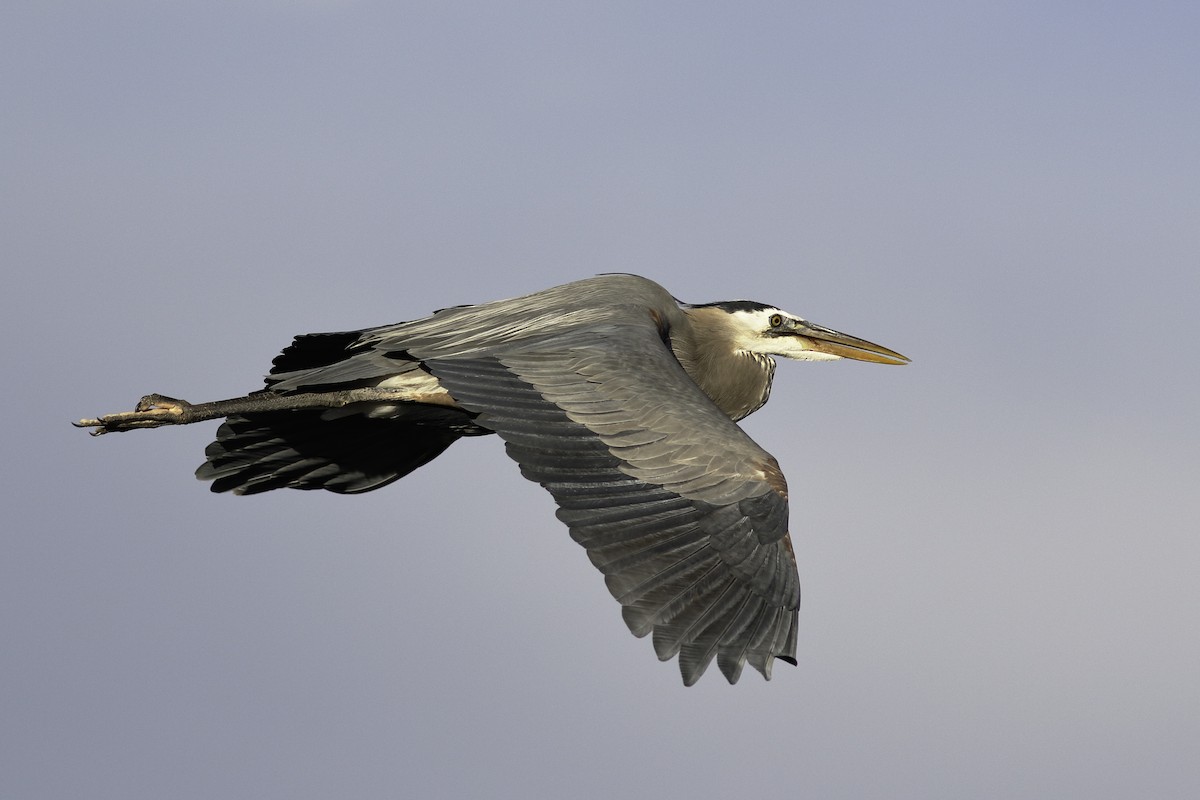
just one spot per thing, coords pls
(776, 320)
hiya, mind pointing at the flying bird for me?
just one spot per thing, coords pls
(619, 399)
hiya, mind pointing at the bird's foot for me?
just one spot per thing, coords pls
(151, 411)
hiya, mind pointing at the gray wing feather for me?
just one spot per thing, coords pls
(682, 512)
(367, 357)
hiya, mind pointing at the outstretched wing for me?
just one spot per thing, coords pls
(683, 513)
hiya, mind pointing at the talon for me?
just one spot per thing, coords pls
(91, 423)
(151, 411)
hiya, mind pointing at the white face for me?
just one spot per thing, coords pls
(773, 332)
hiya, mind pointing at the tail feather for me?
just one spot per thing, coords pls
(315, 350)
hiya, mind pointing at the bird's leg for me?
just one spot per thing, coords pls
(151, 411)
(155, 410)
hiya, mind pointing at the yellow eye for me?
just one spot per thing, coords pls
(776, 320)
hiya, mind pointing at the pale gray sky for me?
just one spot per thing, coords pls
(998, 544)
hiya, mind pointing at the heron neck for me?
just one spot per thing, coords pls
(738, 381)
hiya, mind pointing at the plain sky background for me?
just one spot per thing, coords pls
(999, 544)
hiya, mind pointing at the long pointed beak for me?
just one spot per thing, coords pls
(835, 343)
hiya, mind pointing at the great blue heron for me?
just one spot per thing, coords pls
(610, 393)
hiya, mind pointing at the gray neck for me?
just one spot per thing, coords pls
(737, 381)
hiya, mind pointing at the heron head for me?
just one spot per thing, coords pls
(766, 330)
